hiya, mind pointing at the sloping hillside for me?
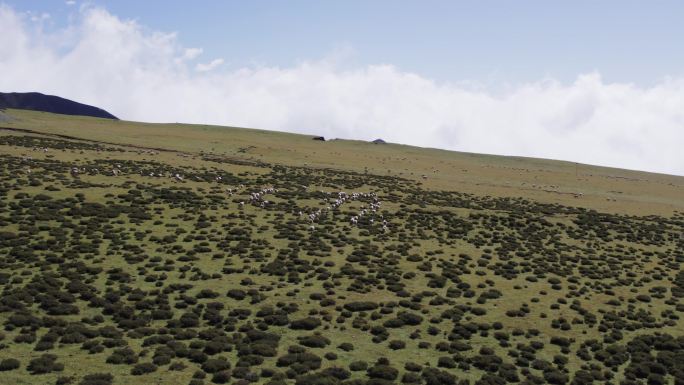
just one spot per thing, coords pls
(548, 181)
(136, 253)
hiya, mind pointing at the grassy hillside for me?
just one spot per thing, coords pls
(136, 253)
(548, 181)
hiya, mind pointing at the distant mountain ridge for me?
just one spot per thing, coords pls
(48, 103)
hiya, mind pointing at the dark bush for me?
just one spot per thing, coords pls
(143, 368)
(397, 344)
(221, 377)
(337, 372)
(197, 356)
(308, 323)
(161, 360)
(9, 364)
(433, 376)
(316, 379)
(125, 356)
(346, 346)
(66, 380)
(199, 374)
(214, 365)
(237, 294)
(44, 364)
(384, 372)
(446, 362)
(555, 377)
(360, 306)
(250, 360)
(97, 379)
(410, 318)
(307, 360)
(314, 341)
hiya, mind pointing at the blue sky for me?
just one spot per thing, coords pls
(491, 42)
(599, 82)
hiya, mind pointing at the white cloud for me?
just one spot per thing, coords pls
(139, 74)
(202, 67)
(192, 53)
(70, 2)
(39, 18)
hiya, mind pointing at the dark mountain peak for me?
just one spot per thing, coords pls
(47, 103)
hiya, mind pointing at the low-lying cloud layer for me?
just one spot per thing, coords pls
(138, 74)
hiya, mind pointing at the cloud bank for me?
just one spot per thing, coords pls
(141, 74)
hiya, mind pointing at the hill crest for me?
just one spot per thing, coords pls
(37, 101)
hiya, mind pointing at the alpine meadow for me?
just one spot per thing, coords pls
(138, 253)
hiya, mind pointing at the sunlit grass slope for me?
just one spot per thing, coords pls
(135, 253)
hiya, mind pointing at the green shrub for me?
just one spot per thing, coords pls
(9, 364)
(143, 368)
(384, 372)
(44, 364)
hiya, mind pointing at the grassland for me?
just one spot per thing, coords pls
(136, 253)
